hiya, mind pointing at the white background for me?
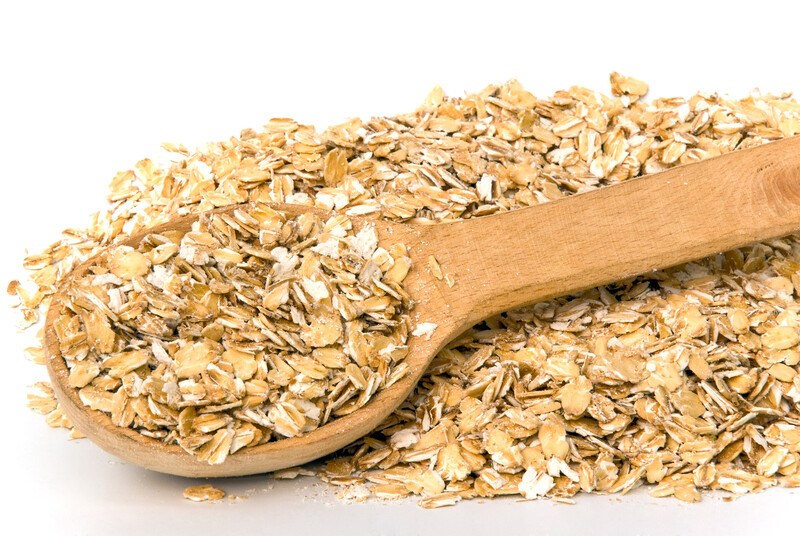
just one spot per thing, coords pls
(88, 89)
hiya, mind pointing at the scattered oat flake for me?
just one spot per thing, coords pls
(441, 500)
(204, 492)
(425, 329)
(356, 493)
(435, 268)
(292, 473)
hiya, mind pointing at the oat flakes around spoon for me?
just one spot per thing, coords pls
(466, 271)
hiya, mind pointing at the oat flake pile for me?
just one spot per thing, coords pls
(253, 326)
(686, 378)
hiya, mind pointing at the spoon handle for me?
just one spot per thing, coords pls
(682, 214)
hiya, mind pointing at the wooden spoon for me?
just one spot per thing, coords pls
(505, 261)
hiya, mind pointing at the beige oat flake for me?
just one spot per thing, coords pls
(204, 492)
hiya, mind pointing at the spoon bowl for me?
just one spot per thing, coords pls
(131, 446)
(497, 263)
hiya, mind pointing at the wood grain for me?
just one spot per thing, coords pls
(504, 261)
(686, 213)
